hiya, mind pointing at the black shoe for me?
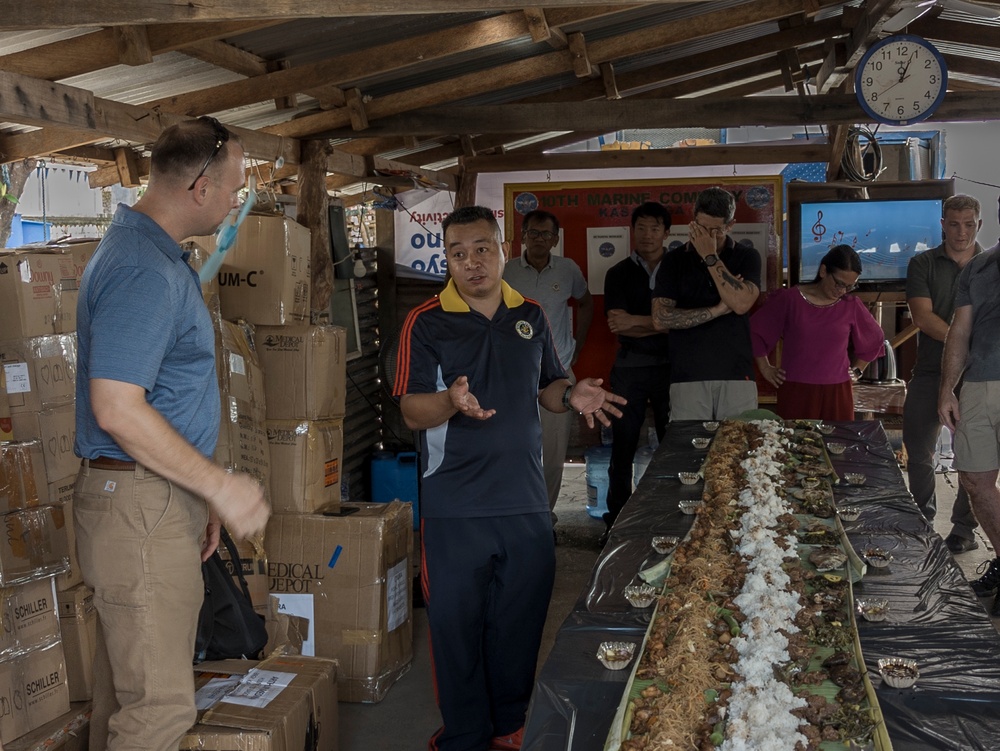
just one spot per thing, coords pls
(555, 538)
(987, 584)
(995, 610)
(957, 544)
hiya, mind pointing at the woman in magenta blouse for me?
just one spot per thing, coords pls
(816, 322)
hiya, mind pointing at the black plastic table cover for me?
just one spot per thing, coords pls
(934, 616)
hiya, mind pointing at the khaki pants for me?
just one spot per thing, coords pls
(138, 541)
(711, 400)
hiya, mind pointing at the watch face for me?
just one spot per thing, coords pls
(901, 80)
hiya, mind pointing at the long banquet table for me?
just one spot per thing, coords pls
(934, 616)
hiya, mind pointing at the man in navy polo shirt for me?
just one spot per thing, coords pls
(147, 419)
(474, 365)
(703, 295)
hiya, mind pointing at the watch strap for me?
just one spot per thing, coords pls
(565, 398)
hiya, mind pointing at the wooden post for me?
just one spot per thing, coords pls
(313, 212)
(466, 193)
(19, 172)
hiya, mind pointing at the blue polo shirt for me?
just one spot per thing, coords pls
(142, 320)
(476, 468)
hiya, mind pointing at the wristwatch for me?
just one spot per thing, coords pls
(711, 259)
(565, 399)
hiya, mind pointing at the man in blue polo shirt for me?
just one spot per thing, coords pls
(147, 419)
(474, 365)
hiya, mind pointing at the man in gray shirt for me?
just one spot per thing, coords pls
(931, 280)
(551, 281)
(972, 352)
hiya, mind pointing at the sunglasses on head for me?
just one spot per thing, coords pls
(221, 136)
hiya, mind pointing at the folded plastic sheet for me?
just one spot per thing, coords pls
(934, 617)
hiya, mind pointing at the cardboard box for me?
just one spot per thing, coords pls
(39, 289)
(284, 703)
(253, 564)
(304, 371)
(40, 372)
(350, 576)
(17, 475)
(30, 616)
(32, 545)
(78, 623)
(67, 732)
(242, 442)
(33, 690)
(265, 276)
(6, 429)
(55, 428)
(306, 457)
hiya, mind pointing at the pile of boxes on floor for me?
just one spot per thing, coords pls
(332, 578)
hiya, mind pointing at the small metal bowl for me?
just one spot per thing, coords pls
(849, 513)
(615, 655)
(872, 608)
(836, 448)
(877, 557)
(689, 507)
(809, 482)
(898, 672)
(640, 595)
(664, 544)
(711, 426)
(855, 478)
(701, 443)
(688, 478)
(825, 428)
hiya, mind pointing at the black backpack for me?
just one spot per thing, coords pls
(228, 627)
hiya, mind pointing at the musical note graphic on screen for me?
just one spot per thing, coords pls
(818, 229)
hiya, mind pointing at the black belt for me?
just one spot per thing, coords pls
(115, 465)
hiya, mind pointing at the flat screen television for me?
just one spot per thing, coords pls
(886, 223)
(885, 233)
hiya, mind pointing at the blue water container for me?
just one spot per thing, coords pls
(597, 458)
(394, 476)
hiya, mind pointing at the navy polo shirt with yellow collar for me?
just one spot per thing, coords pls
(476, 468)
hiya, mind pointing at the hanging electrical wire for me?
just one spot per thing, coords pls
(853, 161)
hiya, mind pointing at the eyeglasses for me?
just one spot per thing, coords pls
(534, 234)
(221, 136)
(842, 285)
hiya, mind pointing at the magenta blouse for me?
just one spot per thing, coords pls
(815, 338)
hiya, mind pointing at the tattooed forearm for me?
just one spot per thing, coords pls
(731, 280)
(666, 315)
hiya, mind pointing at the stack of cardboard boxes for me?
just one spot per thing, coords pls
(45, 657)
(339, 570)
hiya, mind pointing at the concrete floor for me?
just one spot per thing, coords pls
(408, 715)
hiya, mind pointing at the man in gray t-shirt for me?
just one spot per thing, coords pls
(552, 281)
(931, 281)
(972, 352)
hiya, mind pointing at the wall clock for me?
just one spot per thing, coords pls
(901, 80)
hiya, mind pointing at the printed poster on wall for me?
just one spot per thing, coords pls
(606, 246)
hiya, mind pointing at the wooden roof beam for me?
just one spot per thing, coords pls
(755, 153)
(607, 116)
(582, 67)
(610, 85)
(865, 30)
(540, 30)
(90, 52)
(132, 43)
(356, 108)
(58, 14)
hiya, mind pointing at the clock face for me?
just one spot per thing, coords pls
(901, 80)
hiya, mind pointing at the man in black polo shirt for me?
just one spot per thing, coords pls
(474, 365)
(641, 372)
(703, 295)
